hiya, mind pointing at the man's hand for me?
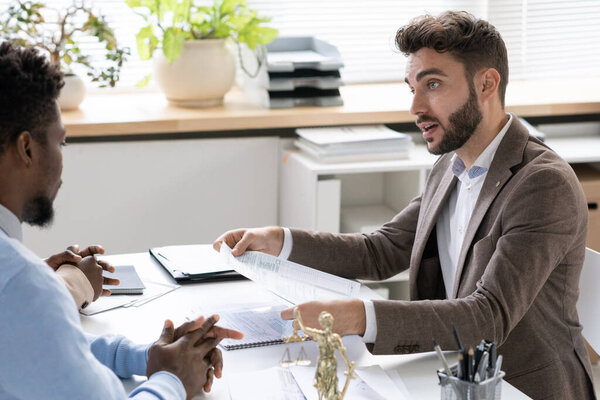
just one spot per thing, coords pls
(267, 240)
(348, 315)
(72, 255)
(192, 355)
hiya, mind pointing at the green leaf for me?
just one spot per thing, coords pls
(134, 3)
(144, 81)
(228, 6)
(173, 43)
(146, 42)
(181, 12)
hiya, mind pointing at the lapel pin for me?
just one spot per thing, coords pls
(497, 183)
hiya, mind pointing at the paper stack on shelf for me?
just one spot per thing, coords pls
(297, 71)
(354, 143)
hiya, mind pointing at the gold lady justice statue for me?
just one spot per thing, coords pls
(326, 380)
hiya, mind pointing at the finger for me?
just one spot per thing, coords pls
(209, 379)
(168, 331)
(188, 327)
(105, 292)
(195, 336)
(106, 266)
(216, 359)
(288, 313)
(205, 347)
(90, 250)
(217, 243)
(241, 246)
(66, 257)
(219, 332)
(110, 281)
(74, 248)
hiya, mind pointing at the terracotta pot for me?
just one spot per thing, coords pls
(201, 75)
(72, 94)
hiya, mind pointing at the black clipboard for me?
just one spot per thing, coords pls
(179, 273)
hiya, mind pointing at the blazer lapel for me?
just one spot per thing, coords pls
(509, 154)
(430, 216)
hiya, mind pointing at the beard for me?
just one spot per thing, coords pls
(461, 125)
(38, 211)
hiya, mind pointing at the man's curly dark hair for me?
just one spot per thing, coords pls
(474, 42)
(29, 86)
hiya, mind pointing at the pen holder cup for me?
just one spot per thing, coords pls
(457, 389)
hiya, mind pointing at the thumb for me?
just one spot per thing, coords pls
(241, 246)
(74, 248)
(168, 333)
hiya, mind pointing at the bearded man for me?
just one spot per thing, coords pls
(494, 244)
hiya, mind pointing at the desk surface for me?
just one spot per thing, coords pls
(109, 113)
(144, 324)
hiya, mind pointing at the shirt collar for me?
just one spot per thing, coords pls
(483, 162)
(10, 224)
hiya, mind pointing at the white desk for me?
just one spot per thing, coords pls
(143, 325)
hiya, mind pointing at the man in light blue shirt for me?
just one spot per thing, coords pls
(45, 354)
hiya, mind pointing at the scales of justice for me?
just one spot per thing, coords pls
(326, 380)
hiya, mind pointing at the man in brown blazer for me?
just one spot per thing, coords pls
(495, 243)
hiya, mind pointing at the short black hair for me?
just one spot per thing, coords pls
(29, 86)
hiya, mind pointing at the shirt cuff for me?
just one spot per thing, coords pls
(288, 243)
(371, 323)
(163, 385)
(77, 283)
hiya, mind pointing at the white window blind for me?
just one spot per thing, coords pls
(551, 38)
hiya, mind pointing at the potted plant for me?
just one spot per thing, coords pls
(195, 66)
(30, 23)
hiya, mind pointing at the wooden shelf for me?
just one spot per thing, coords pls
(141, 112)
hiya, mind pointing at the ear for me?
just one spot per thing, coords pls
(489, 82)
(23, 146)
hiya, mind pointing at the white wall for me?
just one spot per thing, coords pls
(129, 196)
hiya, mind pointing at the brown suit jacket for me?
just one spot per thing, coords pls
(517, 277)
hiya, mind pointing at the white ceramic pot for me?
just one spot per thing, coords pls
(201, 75)
(72, 94)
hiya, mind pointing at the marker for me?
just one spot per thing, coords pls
(470, 356)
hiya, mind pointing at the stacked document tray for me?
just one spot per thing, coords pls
(354, 143)
(298, 71)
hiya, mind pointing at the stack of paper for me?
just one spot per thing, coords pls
(354, 143)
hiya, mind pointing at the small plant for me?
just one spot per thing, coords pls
(175, 21)
(29, 23)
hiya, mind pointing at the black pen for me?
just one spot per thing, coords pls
(460, 366)
(457, 338)
(470, 357)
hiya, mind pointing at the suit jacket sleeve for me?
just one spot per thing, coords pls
(378, 255)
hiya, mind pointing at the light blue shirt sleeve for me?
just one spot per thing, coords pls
(45, 353)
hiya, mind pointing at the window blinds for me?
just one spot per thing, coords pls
(550, 38)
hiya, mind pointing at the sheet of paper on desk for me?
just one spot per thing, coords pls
(153, 290)
(371, 383)
(268, 384)
(261, 324)
(293, 282)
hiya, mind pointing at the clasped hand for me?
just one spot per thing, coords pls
(190, 353)
(86, 261)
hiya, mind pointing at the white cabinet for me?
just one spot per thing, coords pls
(369, 193)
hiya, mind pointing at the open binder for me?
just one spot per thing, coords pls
(193, 263)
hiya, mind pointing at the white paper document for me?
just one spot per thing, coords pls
(292, 282)
(371, 383)
(269, 384)
(153, 290)
(261, 324)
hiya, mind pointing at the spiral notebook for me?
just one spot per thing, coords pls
(261, 324)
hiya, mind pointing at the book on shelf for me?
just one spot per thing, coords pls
(354, 143)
